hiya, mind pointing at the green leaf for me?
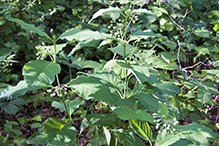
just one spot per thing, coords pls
(19, 101)
(167, 139)
(38, 140)
(148, 101)
(141, 73)
(198, 134)
(128, 138)
(210, 86)
(57, 132)
(14, 91)
(108, 79)
(142, 129)
(130, 102)
(144, 11)
(40, 71)
(168, 88)
(82, 35)
(10, 108)
(120, 49)
(86, 43)
(72, 105)
(29, 27)
(90, 87)
(163, 109)
(125, 113)
(20, 89)
(113, 65)
(97, 119)
(204, 95)
(113, 12)
(4, 53)
(145, 35)
(203, 33)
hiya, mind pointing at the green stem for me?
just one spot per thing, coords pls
(59, 86)
(124, 45)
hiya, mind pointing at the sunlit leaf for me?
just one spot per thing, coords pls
(142, 129)
(143, 11)
(40, 71)
(57, 132)
(114, 13)
(203, 33)
(81, 35)
(90, 87)
(128, 138)
(120, 50)
(125, 113)
(97, 119)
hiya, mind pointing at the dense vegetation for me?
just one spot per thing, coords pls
(109, 72)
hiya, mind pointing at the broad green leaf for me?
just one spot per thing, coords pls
(57, 132)
(130, 102)
(19, 101)
(114, 13)
(4, 53)
(148, 101)
(82, 35)
(98, 137)
(143, 11)
(163, 109)
(167, 139)
(198, 134)
(38, 140)
(113, 65)
(90, 87)
(29, 27)
(120, 50)
(128, 138)
(10, 108)
(40, 71)
(97, 119)
(125, 113)
(107, 78)
(203, 33)
(85, 43)
(14, 91)
(20, 89)
(159, 62)
(210, 86)
(204, 95)
(72, 105)
(145, 35)
(191, 84)
(168, 88)
(141, 73)
(142, 129)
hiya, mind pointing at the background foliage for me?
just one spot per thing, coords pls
(129, 72)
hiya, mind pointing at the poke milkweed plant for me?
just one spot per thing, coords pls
(141, 107)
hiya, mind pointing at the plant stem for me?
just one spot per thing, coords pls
(59, 86)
